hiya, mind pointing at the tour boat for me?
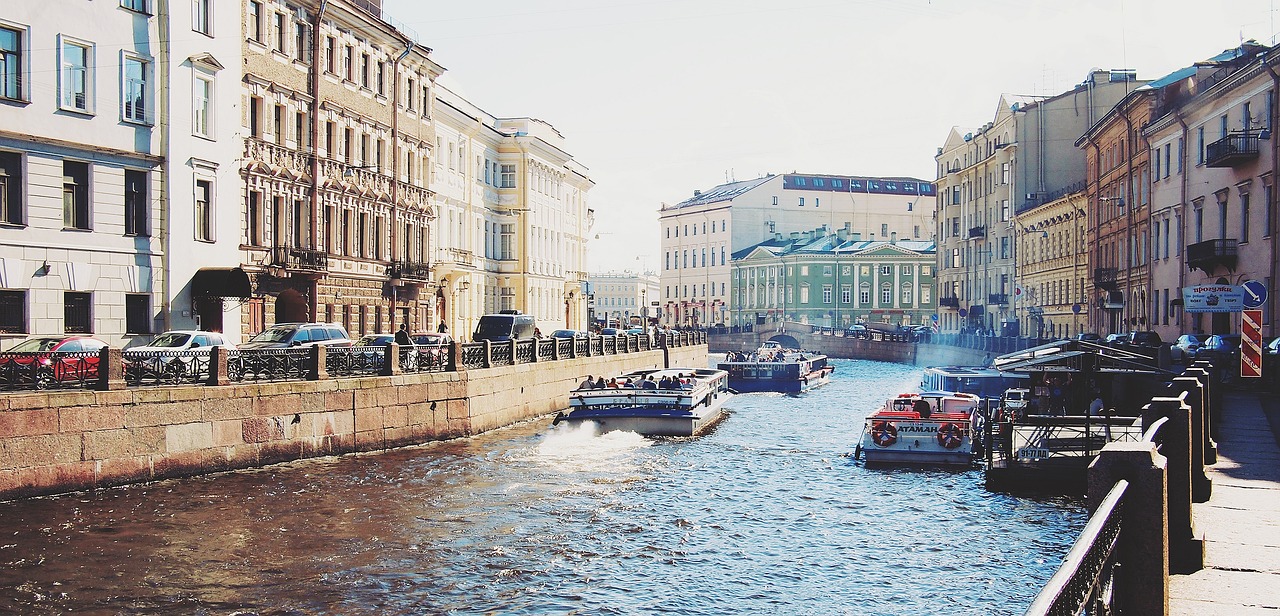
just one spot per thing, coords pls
(662, 402)
(773, 368)
(922, 428)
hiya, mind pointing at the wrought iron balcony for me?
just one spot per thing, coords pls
(1210, 254)
(977, 232)
(1232, 150)
(411, 271)
(306, 260)
(949, 302)
(1105, 278)
(998, 298)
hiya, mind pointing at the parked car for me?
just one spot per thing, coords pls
(1221, 349)
(569, 333)
(856, 330)
(636, 331)
(1088, 337)
(434, 347)
(1186, 347)
(286, 335)
(174, 356)
(610, 331)
(40, 361)
(506, 325)
(1147, 339)
(366, 359)
(1114, 339)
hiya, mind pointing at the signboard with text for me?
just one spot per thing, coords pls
(1251, 344)
(1213, 298)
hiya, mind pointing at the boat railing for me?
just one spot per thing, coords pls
(1140, 494)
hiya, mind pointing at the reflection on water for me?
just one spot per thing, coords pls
(768, 513)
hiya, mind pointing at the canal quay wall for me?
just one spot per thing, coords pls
(877, 347)
(64, 441)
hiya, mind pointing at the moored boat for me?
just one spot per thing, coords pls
(933, 428)
(774, 368)
(662, 402)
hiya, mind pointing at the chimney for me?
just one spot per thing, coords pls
(697, 193)
(795, 235)
(843, 234)
(857, 236)
(893, 237)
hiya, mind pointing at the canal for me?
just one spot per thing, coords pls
(767, 514)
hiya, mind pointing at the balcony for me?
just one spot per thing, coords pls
(949, 302)
(1210, 254)
(1105, 278)
(1232, 150)
(300, 260)
(409, 271)
(1001, 299)
(977, 232)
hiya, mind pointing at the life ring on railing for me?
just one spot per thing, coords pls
(883, 433)
(950, 435)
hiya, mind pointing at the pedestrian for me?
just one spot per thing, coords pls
(442, 328)
(1095, 407)
(402, 336)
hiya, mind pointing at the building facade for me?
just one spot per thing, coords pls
(1023, 158)
(1214, 164)
(833, 280)
(1053, 268)
(701, 233)
(623, 299)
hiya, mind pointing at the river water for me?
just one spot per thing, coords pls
(767, 514)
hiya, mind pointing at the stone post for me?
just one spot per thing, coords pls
(455, 357)
(317, 371)
(1201, 485)
(110, 369)
(218, 357)
(1142, 549)
(1201, 373)
(1215, 391)
(1186, 549)
(391, 363)
(534, 357)
(488, 353)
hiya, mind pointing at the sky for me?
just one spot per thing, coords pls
(658, 98)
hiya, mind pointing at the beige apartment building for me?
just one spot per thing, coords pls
(700, 234)
(1022, 158)
(1213, 204)
(1053, 267)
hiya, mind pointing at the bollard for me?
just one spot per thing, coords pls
(1142, 548)
(391, 360)
(1186, 549)
(455, 358)
(1202, 371)
(218, 357)
(110, 369)
(488, 353)
(1201, 485)
(318, 371)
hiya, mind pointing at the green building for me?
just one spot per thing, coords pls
(834, 280)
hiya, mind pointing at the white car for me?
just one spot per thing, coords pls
(177, 355)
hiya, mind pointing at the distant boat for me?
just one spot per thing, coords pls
(774, 368)
(930, 428)
(680, 402)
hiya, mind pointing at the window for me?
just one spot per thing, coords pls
(364, 70)
(76, 315)
(408, 95)
(202, 16)
(886, 270)
(133, 89)
(301, 45)
(253, 222)
(906, 296)
(75, 195)
(382, 78)
(330, 56)
(139, 6)
(277, 31)
(1200, 146)
(135, 202)
(10, 63)
(508, 177)
(506, 241)
(827, 293)
(75, 75)
(348, 62)
(886, 296)
(202, 105)
(801, 201)
(10, 188)
(884, 230)
(846, 293)
(864, 296)
(255, 20)
(13, 312)
(1244, 217)
(137, 313)
(277, 124)
(204, 210)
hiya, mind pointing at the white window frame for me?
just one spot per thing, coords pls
(204, 171)
(202, 16)
(21, 60)
(65, 78)
(203, 121)
(137, 6)
(125, 88)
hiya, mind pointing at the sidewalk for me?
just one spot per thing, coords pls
(1241, 522)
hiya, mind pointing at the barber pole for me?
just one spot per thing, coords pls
(1251, 344)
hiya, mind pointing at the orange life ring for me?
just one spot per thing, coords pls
(883, 433)
(950, 435)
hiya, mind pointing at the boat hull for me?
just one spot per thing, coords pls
(793, 372)
(786, 386)
(651, 421)
(687, 408)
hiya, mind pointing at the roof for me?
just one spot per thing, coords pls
(723, 192)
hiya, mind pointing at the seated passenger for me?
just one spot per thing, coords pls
(649, 383)
(587, 384)
(600, 383)
(627, 384)
(613, 383)
(665, 383)
(921, 407)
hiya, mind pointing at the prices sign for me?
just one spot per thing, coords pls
(1251, 344)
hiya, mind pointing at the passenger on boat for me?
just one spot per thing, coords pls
(627, 384)
(587, 384)
(921, 408)
(664, 383)
(648, 383)
(613, 383)
(686, 383)
(1095, 407)
(600, 383)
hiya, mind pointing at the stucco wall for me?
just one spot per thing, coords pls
(52, 442)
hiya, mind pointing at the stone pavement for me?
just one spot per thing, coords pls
(1241, 521)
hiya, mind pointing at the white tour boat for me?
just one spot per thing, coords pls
(923, 428)
(662, 402)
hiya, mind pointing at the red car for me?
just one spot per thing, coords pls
(47, 361)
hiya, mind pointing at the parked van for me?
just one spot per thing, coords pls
(501, 327)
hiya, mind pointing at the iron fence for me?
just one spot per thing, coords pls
(49, 370)
(166, 367)
(269, 364)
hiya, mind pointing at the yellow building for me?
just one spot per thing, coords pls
(1052, 298)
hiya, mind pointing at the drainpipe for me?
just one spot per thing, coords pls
(395, 166)
(313, 76)
(164, 55)
(1130, 235)
(1182, 222)
(1094, 219)
(1275, 171)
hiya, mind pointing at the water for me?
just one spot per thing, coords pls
(768, 514)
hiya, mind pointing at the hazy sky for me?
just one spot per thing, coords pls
(661, 97)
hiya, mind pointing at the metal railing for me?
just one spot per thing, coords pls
(1085, 581)
(49, 370)
(166, 367)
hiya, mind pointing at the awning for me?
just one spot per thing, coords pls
(221, 282)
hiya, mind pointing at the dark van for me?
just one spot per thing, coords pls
(500, 327)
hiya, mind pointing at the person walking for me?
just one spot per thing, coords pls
(402, 336)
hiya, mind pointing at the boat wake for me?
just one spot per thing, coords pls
(579, 445)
